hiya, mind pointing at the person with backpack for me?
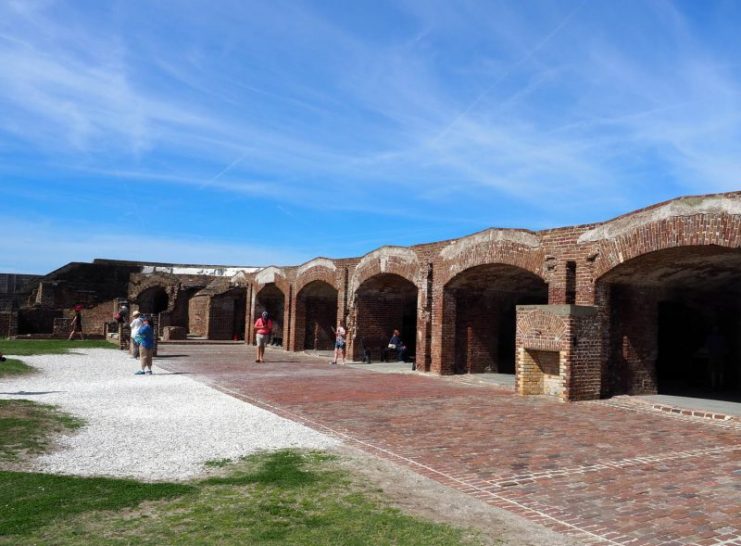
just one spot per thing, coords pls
(135, 325)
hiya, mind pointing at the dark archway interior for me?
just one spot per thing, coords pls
(385, 302)
(316, 315)
(153, 300)
(180, 314)
(272, 300)
(485, 299)
(227, 315)
(675, 323)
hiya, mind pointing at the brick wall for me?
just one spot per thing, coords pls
(558, 351)
(633, 340)
(8, 323)
(33, 320)
(198, 313)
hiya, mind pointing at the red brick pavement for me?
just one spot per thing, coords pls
(600, 473)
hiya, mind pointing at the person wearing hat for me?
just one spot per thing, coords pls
(263, 327)
(135, 325)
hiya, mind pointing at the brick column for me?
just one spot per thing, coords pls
(558, 351)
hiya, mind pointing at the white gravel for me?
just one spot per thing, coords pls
(159, 427)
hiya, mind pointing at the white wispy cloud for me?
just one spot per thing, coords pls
(59, 244)
(554, 106)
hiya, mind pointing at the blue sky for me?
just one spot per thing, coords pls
(257, 133)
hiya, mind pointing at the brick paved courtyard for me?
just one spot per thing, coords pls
(599, 472)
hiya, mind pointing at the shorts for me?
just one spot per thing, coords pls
(262, 339)
(339, 344)
(145, 357)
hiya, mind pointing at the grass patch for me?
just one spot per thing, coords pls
(24, 347)
(26, 427)
(12, 367)
(29, 501)
(280, 498)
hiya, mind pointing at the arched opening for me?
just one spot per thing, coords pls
(673, 323)
(385, 303)
(272, 300)
(181, 312)
(316, 315)
(480, 314)
(153, 301)
(227, 315)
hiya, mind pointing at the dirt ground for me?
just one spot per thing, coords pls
(420, 496)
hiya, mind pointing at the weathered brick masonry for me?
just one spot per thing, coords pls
(607, 298)
(625, 306)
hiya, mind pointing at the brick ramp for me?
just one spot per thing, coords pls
(601, 473)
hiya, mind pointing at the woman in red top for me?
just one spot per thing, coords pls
(263, 327)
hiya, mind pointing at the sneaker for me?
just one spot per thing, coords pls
(148, 372)
(140, 372)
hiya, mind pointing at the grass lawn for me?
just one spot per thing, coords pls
(26, 428)
(22, 347)
(280, 498)
(12, 367)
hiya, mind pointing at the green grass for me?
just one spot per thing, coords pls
(26, 427)
(29, 501)
(280, 498)
(23, 347)
(12, 367)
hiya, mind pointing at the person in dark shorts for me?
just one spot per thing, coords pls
(263, 329)
(340, 335)
(76, 324)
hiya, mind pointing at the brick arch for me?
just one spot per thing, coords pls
(707, 229)
(169, 285)
(400, 261)
(530, 262)
(518, 249)
(317, 273)
(315, 315)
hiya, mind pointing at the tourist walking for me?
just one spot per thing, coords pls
(145, 340)
(263, 327)
(340, 335)
(76, 324)
(135, 325)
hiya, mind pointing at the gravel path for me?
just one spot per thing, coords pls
(159, 427)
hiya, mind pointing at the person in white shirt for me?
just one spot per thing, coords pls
(135, 325)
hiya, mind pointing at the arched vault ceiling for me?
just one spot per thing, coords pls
(700, 268)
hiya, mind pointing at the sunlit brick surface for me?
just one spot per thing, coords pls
(601, 473)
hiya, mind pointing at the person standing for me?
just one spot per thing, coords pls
(263, 327)
(135, 325)
(340, 335)
(76, 324)
(145, 338)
